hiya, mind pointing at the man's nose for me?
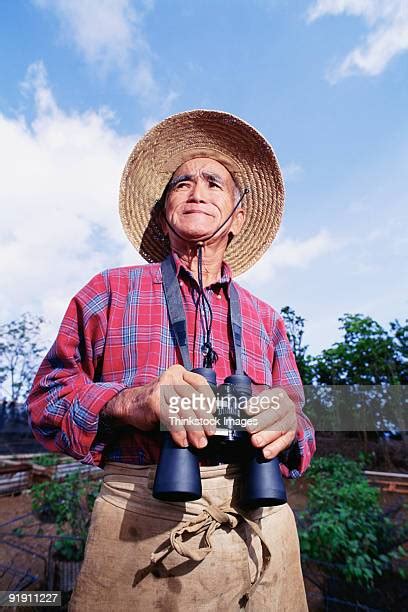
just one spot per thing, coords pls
(198, 192)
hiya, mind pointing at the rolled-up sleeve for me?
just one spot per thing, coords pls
(296, 459)
(66, 397)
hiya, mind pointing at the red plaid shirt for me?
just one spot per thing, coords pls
(116, 334)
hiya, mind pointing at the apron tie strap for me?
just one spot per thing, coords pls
(210, 519)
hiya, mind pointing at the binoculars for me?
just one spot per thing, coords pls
(178, 472)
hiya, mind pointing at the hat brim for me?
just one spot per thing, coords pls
(202, 133)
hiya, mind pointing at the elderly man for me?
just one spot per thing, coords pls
(203, 191)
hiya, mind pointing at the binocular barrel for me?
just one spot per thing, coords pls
(178, 472)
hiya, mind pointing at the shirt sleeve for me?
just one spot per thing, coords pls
(295, 460)
(66, 398)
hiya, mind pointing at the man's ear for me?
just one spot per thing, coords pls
(237, 222)
(163, 224)
(160, 218)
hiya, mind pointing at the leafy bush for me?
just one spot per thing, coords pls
(69, 504)
(70, 549)
(51, 459)
(344, 523)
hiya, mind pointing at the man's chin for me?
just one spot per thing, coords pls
(195, 235)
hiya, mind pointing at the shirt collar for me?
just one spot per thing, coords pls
(226, 274)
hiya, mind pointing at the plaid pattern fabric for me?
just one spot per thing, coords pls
(115, 334)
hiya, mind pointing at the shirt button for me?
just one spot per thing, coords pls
(181, 283)
(219, 296)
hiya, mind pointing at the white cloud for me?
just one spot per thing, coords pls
(289, 253)
(299, 254)
(59, 194)
(387, 37)
(109, 35)
(292, 172)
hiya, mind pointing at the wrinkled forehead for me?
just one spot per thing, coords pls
(176, 161)
(203, 166)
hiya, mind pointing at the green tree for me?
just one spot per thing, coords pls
(20, 352)
(400, 337)
(295, 327)
(369, 359)
(365, 356)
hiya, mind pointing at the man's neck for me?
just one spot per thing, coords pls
(212, 263)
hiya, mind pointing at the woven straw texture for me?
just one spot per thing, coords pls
(202, 133)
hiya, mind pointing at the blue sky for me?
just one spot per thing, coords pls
(323, 80)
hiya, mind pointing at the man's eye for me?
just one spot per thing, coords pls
(212, 184)
(181, 184)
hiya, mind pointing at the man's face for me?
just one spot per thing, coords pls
(201, 195)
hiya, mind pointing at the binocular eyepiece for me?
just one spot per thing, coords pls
(178, 472)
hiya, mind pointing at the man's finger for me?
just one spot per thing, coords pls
(270, 398)
(273, 421)
(269, 419)
(197, 381)
(179, 436)
(199, 399)
(195, 431)
(263, 438)
(187, 414)
(272, 450)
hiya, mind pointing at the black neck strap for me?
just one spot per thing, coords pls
(177, 315)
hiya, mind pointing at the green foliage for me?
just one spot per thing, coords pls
(48, 460)
(344, 523)
(366, 355)
(20, 352)
(400, 338)
(70, 549)
(69, 504)
(295, 329)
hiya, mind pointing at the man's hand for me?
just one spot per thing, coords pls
(274, 415)
(144, 407)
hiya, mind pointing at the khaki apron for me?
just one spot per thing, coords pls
(207, 555)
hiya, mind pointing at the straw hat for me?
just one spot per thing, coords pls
(203, 133)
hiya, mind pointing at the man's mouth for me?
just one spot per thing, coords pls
(196, 209)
